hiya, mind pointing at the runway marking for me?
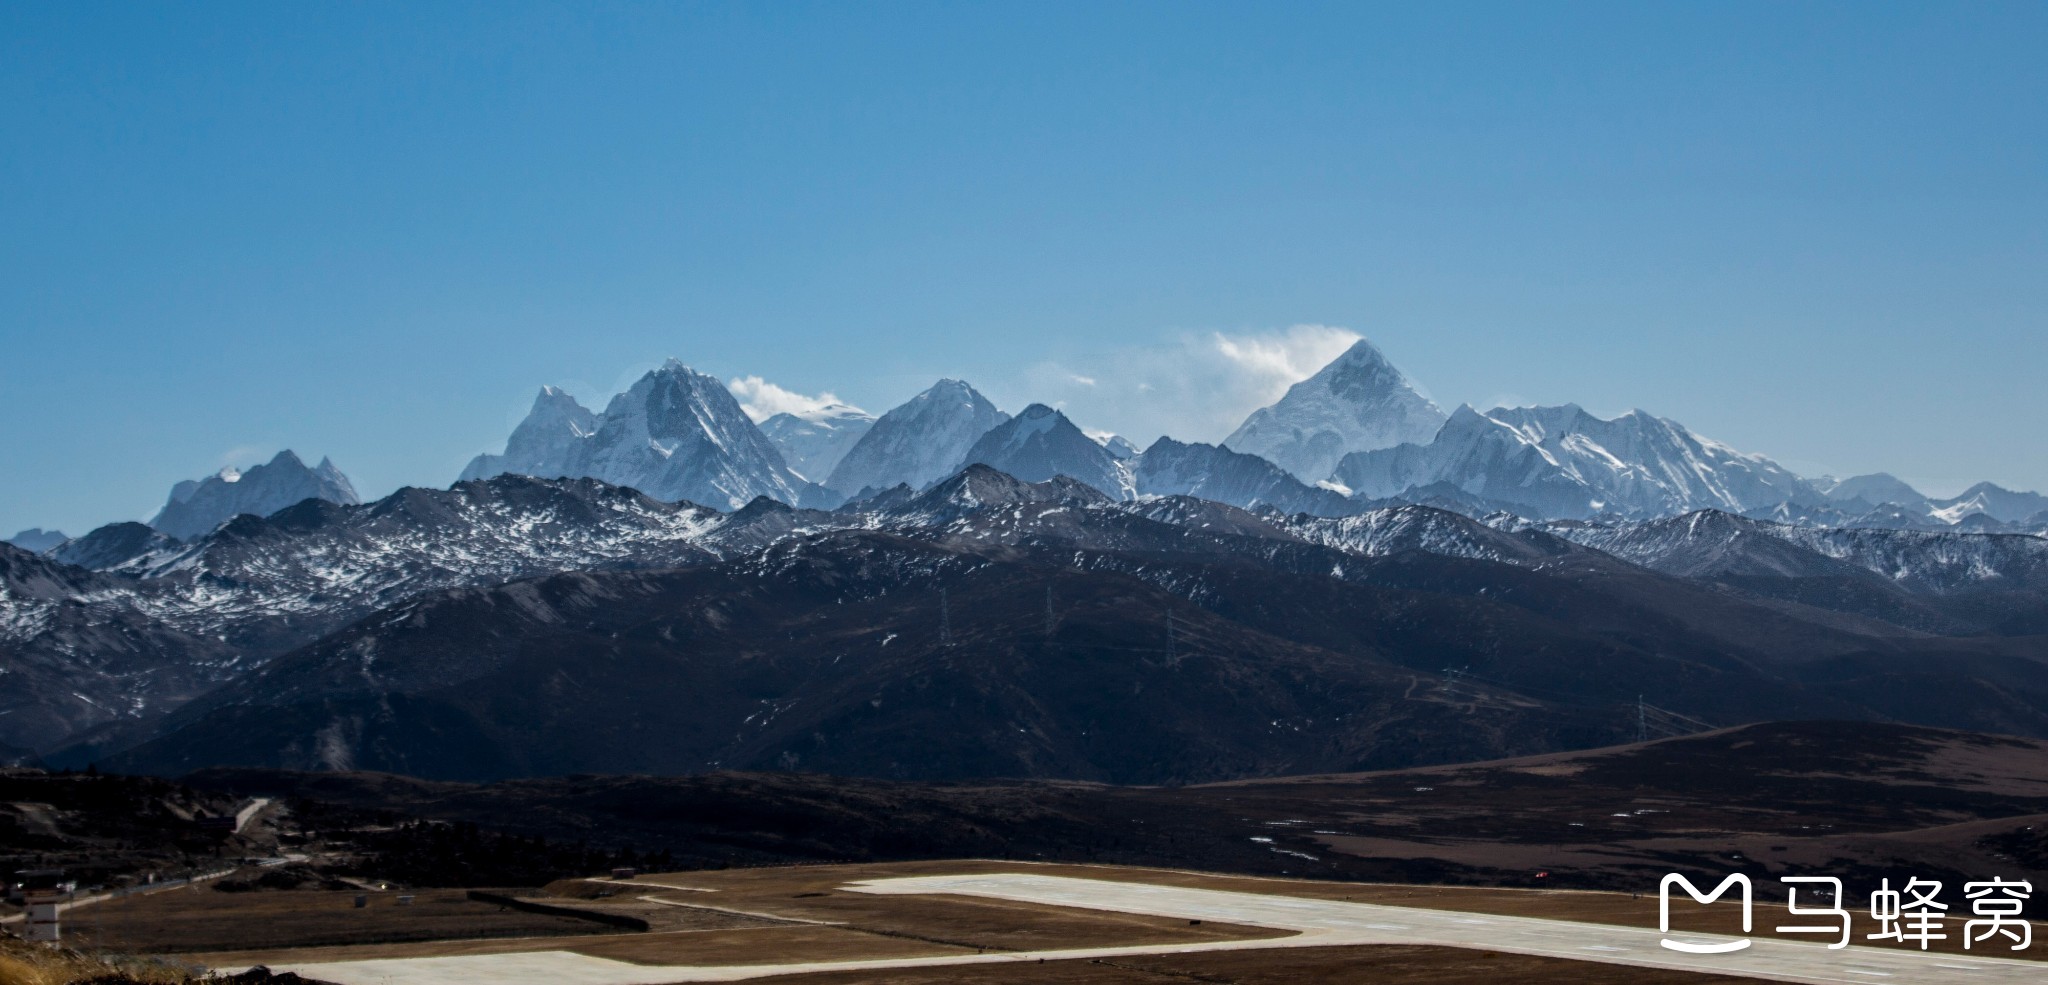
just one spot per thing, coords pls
(1312, 923)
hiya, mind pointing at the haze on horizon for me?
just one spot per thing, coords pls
(371, 231)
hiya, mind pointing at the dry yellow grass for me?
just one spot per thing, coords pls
(22, 963)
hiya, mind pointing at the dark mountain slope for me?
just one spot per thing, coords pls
(835, 660)
(868, 653)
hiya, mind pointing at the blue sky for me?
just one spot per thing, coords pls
(1816, 231)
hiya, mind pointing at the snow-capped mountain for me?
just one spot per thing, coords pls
(199, 505)
(1391, 530)
(1875, 489)
(1040, 443)
(1359, 402)
(919, 442)
(1992, 501)
(814, 442)
(79, 648)
(550, 438)
(677, 434)
(1564, 462)
(1713, 543)
(1881, 500)
(36, 540)
(1170, 468)
(270, 583)
(1850, 513)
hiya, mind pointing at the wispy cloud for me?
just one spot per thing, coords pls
(763, 400)
(1198, 387)
(244, 456)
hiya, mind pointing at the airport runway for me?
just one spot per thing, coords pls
(1317, 923)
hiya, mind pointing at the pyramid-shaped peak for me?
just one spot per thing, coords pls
(952, 389)
(1359, 402)
(1361, 353)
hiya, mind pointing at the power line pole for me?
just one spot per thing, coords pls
(1049, 618)
(1171, 647)
(945, 619)
(1642, 721)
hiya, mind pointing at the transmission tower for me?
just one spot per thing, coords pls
(1642, 721)
(1171, 643)
(1050, 619)
(945, 619)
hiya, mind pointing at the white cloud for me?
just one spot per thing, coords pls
(763, 400)
(245, 456)
(1277, 360)
(1198, 387)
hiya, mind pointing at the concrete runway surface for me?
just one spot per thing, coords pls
(1317, 923)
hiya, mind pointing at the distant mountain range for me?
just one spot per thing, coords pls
(677, 434)
(667, 586)
(1356, 435)
(199, 505)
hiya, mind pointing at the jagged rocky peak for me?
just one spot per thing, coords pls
(919, 442)
(196, 506)
(676, 434)
(36, 540)
(1040, 443)
(1359, 402)
(546, 439)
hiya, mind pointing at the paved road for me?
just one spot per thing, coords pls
(75, 902)
(1316, 923)
(248, 813)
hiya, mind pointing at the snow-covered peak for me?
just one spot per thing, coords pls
(196, 507)
(918, 442)
(1359, 402)
(1876, 489)
(675, 434)
(1991, 500)
(1564, 462)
